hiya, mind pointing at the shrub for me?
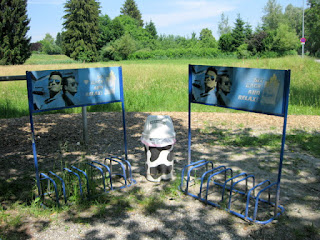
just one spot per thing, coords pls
(36, 47)
(269, 54)
(50, 48)
(291, 53)
(142, 54)
(175, 53)
(120, 49)
(106, 53)
(242, 51)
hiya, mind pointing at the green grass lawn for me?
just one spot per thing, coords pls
(162, 85)
(37, 59)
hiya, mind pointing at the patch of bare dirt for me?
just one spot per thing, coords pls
(59, 141)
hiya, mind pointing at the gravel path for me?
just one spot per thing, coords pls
(174, 216)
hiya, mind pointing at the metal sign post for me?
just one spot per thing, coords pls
(85, 125)
(303, 40)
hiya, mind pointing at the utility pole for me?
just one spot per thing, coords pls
(303, 29)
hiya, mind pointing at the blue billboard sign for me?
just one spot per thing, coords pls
(249, 89)
(57, 89)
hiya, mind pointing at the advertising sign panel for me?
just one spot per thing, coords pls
(249, 89)
(57, 89)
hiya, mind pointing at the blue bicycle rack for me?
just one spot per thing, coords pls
(91, 177)
(204, 184)
(219, 186)
(99, 173)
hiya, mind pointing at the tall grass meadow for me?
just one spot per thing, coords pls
(162, 85)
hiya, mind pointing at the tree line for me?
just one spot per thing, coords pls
(91, 36)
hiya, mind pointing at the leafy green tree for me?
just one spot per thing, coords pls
(105, 35)
(131, 26)
(81, 29)
(285, 39)
(14, 25)
(312, 23)
(238, 32)
(207, 39)
(223, 27)
(183, 42)
(193, 41)
(293, 18)
(128, 22)
(269, 41)
(49, 46)
(151, 28)
(117, 29)
(167, 41)
(273, 15)
(226, 43)
(109, 30)
(130, 8)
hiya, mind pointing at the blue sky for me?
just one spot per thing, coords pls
(177, 17)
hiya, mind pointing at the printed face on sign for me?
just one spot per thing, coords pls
(71, 85)
(54, 84)
(225, 84)
(210, 79)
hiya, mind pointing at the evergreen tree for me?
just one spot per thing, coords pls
(14, 43)
(238, 32)
(226, 43)
(248, 31)
(81, 29)
(130, 8)
(151, 28)
(59, 40)
(193, 36)
(223, 27)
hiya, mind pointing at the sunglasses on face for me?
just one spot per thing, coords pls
(56, 81)
(209, 77)
(74, 84)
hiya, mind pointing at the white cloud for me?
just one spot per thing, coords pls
(188, 11)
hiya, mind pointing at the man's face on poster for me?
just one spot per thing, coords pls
(71, 85)
(210, 79)
(54, 84)
(225, 84)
